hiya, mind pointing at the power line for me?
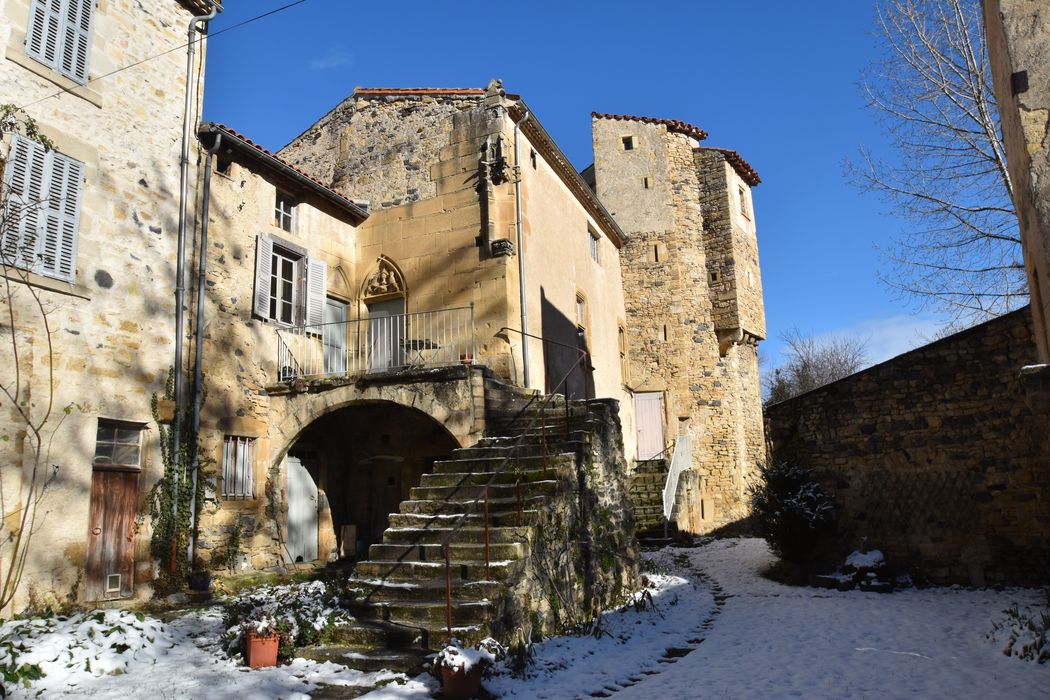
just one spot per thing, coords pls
(165, 53)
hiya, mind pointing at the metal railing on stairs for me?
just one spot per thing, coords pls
(680, 460)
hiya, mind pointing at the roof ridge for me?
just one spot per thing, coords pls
(418, 91)
(742, 167)
(674, 125)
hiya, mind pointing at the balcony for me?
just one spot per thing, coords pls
(389, 343)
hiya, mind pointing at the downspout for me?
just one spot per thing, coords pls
(521, 251)
(198, 371)
(180, 260)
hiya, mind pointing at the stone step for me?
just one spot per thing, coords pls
(410, 661)
(458, 552)
(535, 437)
(425, 571)
(473, 505)
(374, 635)
(476, 492)
(528, 449)
(431, 590)
(504, 518)
(464, 533)
(510, 465)
(429, 614)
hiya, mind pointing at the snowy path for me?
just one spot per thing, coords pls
(775, 641)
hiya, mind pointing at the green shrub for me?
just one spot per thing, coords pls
(791, 511)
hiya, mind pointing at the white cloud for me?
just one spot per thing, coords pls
(333, 58)
(889, 337)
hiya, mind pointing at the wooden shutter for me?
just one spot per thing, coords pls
(44, 33)
(24, 167)
(263, 261)
(58, 245)
(76, 40)
(316, 284)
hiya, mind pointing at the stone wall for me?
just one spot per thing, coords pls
(113, 327)
(709, 383)
(934, 456)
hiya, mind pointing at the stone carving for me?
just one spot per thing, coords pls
(386, 280)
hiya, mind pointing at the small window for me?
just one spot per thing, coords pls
(654, 252)
(665, 331)
(532, 158)
(118, 445)
(113, 583)
(714, 276)
(628, 143)
(621, 342)
(581, 311)
(238, 461)
(745, 211)
(595, 245)
(284, 212)
(645, 183)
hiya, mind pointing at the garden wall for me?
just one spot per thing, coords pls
(935, 456)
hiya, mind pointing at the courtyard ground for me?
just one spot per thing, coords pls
(715, 628)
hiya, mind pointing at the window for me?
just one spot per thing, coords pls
(118, 445)
(44, 189)
(744, 209)
(645, 183)
(628, 143)
(59, 35)
(284, 212)
(665, 331)
(621, 343)
(594, 240)
(238, 460)
(289, 286)
(532, 158)
(581, 312)
(713, 275)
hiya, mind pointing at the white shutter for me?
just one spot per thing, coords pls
(76, 39)
(316, 284)
(58, 247)
(44, 33)
(26, 180)
(263, 262)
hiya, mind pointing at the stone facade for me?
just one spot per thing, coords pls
(694, 300)
(113, 324)
(934, 456)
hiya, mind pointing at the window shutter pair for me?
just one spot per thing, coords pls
(44, 191)
(316, 283)
(59, 35)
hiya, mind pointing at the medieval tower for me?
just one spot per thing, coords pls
(694, 306)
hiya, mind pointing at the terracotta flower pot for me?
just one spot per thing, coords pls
(458, 684)
(466, 358)
(260, 649)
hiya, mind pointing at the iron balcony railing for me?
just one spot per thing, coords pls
(397, 342)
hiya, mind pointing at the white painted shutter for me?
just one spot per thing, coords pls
(263, 263)
(25, 166)
(76, 40)
(45, 31)
(58, 247)
(316, 284)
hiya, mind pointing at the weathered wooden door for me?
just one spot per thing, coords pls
(110, 565)
(302, 512)
(649, 415)
(385, 334)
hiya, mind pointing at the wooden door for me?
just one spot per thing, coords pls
(302, 512)
(110, 565)
(385, 330)
(649, 415)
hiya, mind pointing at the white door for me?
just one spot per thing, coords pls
(385, 333)
(649, 415)
(302, 512)
(334, 336)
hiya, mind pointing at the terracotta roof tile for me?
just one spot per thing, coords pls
(418, 91)
(742, 167)
(211, 127)
(198, 7)
(674, 125)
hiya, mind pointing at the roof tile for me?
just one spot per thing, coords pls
(742, 167)
(673, 125)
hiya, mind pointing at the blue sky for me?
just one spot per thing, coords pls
(774, 82)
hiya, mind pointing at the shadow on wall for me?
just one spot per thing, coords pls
(563, 343)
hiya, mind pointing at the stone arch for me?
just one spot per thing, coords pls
(385, 282)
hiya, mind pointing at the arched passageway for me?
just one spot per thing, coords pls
(365, 458)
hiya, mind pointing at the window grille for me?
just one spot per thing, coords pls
(237, 463)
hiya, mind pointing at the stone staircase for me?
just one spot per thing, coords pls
(398, 595)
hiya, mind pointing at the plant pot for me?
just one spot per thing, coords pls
(260, 649)
(460, 685)
(466, 358)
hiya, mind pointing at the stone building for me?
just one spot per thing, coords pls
(90, 249)
(695, 313)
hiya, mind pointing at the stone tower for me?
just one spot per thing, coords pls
(693, 292)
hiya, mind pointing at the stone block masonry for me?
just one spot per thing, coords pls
(934, 456)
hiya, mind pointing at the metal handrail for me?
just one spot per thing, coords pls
(679, 462)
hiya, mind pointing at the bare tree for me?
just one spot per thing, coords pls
(813, 362)
(27, 385)
(932, 89)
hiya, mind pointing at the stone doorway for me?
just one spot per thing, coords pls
(364, 459)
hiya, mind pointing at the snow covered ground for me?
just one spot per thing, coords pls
(733, 634)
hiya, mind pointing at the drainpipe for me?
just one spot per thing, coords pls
(198, 371)
(180, 260)
(521, 251)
